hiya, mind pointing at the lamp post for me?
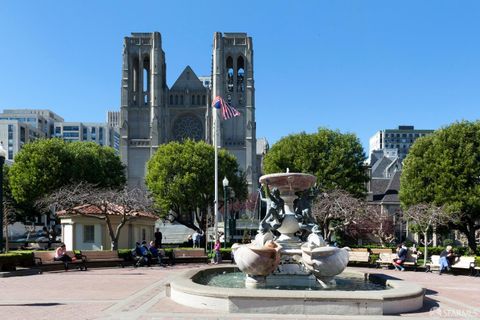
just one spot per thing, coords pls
(225, 211)
(3, 155)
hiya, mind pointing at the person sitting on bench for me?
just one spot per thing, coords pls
(61, 255)
(401, 257)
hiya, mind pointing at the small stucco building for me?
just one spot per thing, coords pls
(86, 230)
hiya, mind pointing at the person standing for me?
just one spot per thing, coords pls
(216, 248)
(158, 238)
(196, 239)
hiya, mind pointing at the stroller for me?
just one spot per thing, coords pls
(141, 256)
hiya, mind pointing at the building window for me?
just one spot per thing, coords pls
(144, 234)
(204, 100)
(70, 134)
(70, 128)
(85, 134)
(171, 99)
(89, 234)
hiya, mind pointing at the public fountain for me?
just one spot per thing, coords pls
(277, 244)
(284, 274)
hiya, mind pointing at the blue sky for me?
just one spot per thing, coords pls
(355, 66)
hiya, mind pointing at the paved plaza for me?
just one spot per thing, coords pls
(128, 293)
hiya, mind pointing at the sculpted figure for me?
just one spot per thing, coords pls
(275, 210)
(303, 213)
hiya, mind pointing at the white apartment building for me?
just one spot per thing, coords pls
(395, 142)
(98, 132)
(42, 119)
(14, 134)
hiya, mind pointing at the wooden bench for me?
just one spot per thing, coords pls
(385, 260)
(359, 256)
(411, 260)
(465, 263)
(359, 249)
(103, 258)
(434, 263)
(381, 250)
(189, 255)
(45, 260)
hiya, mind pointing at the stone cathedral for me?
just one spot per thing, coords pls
(153, 114)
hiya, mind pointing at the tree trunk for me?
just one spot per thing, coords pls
(472, 243)
(425, 256)
(468, 229)
(114, 245)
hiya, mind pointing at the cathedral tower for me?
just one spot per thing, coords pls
(143, 101)
(232, 77)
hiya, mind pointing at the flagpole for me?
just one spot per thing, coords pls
(215, 145)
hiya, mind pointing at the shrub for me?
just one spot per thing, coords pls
(448, 242)
(10, 260)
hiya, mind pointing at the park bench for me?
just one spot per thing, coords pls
(381, 250)
(461, 263)
(385, 260)
(359, 256)
(45, 260)
(189, 255)
(103, 258)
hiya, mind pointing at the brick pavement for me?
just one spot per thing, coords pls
(130, 293)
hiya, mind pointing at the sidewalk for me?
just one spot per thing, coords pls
(128, 293)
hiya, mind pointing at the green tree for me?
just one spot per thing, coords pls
(181, 179)
(443, 169)
(336, 159)
(48, 164)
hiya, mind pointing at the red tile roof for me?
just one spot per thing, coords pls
(88, 209)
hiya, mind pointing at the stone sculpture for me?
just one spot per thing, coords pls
(280, 256)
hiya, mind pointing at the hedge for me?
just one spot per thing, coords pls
(21, 258)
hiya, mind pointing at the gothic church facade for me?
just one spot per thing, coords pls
(153, 114)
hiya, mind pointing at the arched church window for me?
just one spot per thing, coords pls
(181, 99)
(176, 99)
(240, 75)
(230, 74)
(171, 99)
(193, 99)
(204, 100)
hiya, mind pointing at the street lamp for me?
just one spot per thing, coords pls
(3, 155)
(225, 222)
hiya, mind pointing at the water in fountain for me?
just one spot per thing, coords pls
(235, 279)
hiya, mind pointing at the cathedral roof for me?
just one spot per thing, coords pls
(187, 80)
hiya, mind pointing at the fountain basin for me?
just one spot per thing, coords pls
(401, 297)
(257, 261)
(289, 182)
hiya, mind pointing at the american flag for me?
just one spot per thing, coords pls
(227, 110)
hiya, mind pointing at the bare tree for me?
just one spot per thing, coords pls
(377, 223)
(425, 217)
(337, 209)
(101, 203)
